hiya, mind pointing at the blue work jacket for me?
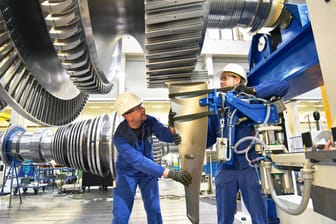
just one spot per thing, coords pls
(265, 90)
(135, 157)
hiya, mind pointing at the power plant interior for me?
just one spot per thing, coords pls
(64, 62)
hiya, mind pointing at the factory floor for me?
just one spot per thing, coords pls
(95, 206)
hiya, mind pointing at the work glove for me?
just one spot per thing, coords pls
(171, 118)
(177, 139)
(245, 89)
(180, 176)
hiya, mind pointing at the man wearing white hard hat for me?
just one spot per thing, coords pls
(135, 166)
(240, 176)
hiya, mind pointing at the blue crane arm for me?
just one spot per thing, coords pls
(258, 111)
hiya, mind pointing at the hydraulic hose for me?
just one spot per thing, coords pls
(230, 133)
(308, 179)
(253, 138)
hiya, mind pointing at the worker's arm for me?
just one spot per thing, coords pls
(136, 158)
(268, 89)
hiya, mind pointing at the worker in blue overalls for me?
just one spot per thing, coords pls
(239, 175)
(135, 165)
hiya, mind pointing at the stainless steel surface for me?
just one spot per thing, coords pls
(250, 14)
(34, 145)
(110, 20)
(193, 133)
(30, 38)
(175, 32)
(75, 47)
(21, 90)
(85, 145)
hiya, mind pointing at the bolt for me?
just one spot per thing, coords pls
(189, 156)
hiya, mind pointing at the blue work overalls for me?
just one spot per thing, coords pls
(240, 175)
(135, 167)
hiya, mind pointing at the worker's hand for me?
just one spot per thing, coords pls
(177, 139)
(171, 118)
(245, 89)
(180, 176)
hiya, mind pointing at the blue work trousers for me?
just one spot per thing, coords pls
(228, 183)
(123, 198)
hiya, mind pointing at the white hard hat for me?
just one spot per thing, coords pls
(237, 69)
(126, 101)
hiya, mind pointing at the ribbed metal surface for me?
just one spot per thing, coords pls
(157, 150)
(22, 91)
(174, 38)
(175, 32)
(63, 19)
(251, 14)
(85, 145)
(30, 37)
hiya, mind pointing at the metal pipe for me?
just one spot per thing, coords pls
(308, 179)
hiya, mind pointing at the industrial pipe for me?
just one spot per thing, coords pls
(308, 179)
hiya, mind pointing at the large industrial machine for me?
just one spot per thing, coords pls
(54, 54)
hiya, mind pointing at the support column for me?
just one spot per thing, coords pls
(322, 15)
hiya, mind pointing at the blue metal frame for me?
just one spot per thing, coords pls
(254, 109)
(294, 60)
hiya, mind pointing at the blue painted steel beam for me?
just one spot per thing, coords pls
(295, 60)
